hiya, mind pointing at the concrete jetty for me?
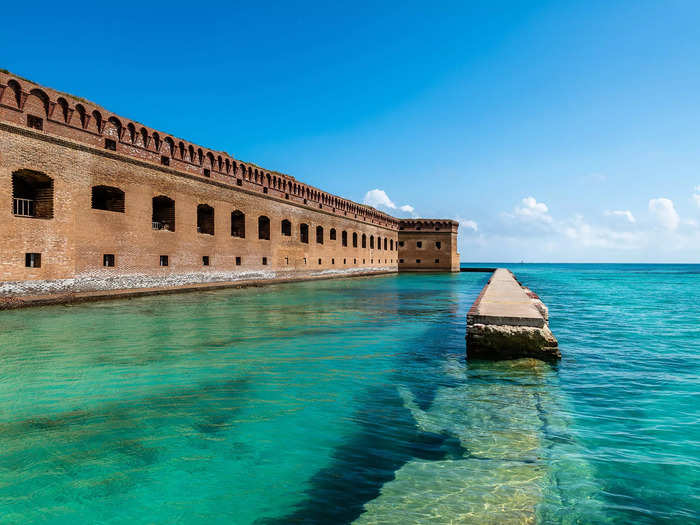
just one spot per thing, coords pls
(509, 321)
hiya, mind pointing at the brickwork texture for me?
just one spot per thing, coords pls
(89, 193)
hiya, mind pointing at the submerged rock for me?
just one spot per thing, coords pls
(520, 463)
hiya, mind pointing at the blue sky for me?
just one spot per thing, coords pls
(554, 131)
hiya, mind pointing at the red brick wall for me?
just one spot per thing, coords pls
(428, 245)
(70, 149)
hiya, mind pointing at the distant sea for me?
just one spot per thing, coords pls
(351, 401)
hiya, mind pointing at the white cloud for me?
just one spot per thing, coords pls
(591, 236)
(664, 212)
(469, 224)
(531, 210)
(622, 213)
(530, 233)
(378, 198)
(696, 196)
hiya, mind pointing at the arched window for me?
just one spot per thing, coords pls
(344, 238)
(163, 217)
(107, 198)
(385, 243)
(115, 128)
(371, 242)
(205, 219)
(38, 102)
(238, 224)
(144, 137)
(364, 240)
(319, 234)
(132, 132)
(304, 233)
(32, 194)
(98, 120)
(82, 114)
(379, 242)
(63, 104)
(16, 91)
(332, 234)
(354, 239)
(286, 228)
(264, 228)
(391, 245)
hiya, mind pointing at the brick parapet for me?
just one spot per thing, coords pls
(77, 119)
(75, 237)
(428, 225)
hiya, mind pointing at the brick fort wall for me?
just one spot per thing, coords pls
(93, 194)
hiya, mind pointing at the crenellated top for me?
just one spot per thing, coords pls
(429, 225)
(25, 103)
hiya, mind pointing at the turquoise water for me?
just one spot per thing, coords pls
(351, 401)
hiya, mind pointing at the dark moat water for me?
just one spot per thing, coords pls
(351, 401)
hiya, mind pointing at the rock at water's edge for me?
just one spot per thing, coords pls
(511, 342)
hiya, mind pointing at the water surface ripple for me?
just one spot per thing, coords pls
(350, 401)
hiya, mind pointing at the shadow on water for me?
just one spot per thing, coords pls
(443, 439)
(387, 438)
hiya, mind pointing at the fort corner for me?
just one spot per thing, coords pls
(428, 245)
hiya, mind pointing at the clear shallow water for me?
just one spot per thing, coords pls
(350, 401)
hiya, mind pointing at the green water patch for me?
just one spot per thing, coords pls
(508, 471)
(349, 400)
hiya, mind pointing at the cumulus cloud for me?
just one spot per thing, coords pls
(530, 232)
(622, 213)
(379, 199)
(531, 210)
(470, 225)
(664, 212)
(595, 236)
(696, 196)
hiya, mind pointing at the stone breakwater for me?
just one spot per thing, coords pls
(509, 321)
